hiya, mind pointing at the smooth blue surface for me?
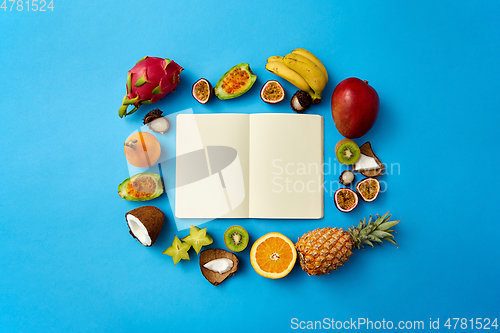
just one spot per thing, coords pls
(67, 261)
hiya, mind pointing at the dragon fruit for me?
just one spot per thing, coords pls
(148, 81)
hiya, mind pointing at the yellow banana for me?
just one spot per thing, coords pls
(309, 71)
(313, 58)
(279, 68)
(275, 58)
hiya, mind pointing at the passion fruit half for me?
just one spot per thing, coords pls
(368, 189)
(272, 92)
(345, 199)
(235, 82)
(202, 91)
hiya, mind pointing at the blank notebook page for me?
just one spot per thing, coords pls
(286, 166)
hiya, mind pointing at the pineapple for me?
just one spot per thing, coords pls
(325, 249)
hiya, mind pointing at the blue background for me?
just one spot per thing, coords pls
(67, 262)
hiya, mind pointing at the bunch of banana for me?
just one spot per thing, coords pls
(302, 69)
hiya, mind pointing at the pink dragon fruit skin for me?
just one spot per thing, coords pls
(148, 81)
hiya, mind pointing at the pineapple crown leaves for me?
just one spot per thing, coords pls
(373, 232)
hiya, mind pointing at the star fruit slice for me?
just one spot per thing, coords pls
(178, 250)
(198, 238)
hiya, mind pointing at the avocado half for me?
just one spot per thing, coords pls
(141, 187)
(235, 82)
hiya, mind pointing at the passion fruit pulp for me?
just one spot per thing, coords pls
(202, 91)
(235, 82)
(368, 189)
(272, 92)
(345, 199)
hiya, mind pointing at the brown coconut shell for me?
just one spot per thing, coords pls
(151, 217)
(216, 278)
(366, 149)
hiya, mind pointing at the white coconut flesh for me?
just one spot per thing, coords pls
(139, 230)
(159, 125)
(366, 163)
(220, 266)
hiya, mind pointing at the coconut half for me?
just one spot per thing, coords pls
(145, 224)
(211, 255)
(368, 164)
(221, 265)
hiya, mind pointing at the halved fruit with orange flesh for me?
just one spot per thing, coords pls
(345, 199)
(202, 91)
(141, 187)
(272, 92)
(273, 255)
(235, 82)
(368, 189)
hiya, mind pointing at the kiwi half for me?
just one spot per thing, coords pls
(236, 238)
(347, 151)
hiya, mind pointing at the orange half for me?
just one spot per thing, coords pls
(273, 255)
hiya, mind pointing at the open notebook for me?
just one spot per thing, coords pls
(249, 166)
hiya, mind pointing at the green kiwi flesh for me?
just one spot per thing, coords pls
(236, 238)
(347, 152)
